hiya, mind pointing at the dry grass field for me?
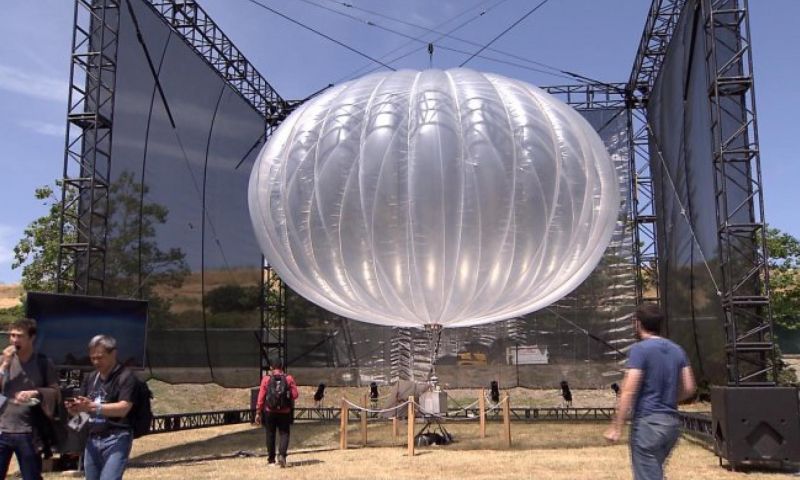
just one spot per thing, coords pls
(541, 450)
(10, 295)
(558, 451)
(568, 451)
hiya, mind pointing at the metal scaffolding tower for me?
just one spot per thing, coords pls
(744, 289)
(87, 151)
(750, 350)
(658, 30)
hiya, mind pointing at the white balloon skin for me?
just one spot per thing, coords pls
(437, 197)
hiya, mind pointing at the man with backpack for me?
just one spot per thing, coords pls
(28, 380)
(107, 396)
(276, 397)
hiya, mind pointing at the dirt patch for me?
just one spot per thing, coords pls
(10, 295)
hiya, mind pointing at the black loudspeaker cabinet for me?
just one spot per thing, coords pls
(756, 424)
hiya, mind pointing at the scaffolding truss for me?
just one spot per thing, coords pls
(590, 96)
(196, 28)
(659, 27)
(273, 319)
(87, 151)
(750, 351)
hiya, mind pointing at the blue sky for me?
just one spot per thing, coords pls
(596, 38)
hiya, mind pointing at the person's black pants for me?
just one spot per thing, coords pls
(280, 422)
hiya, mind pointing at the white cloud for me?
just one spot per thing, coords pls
(45, 128)
(32, 84)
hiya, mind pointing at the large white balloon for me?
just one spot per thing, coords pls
(438, 197)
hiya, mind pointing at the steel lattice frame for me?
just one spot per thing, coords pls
(87, 150)
(194, 25)
(744, 291)
(88, 156)
(273, 319)
(750, 348)
(658, 30)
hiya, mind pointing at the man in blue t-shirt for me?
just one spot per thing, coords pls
(658, 376)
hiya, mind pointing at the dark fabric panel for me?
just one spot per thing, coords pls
(180, 231)
(681, 158)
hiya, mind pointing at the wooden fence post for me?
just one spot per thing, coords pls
(482, 412)
(364, 421)
(411, 426)
(343, 426)
(507, 420)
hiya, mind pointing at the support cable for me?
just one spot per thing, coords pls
(296, 22)
(684, 213)
(145, 149)
(541, 4)
(352, 74)
(585, 331)
(429, 45)
(557, 72)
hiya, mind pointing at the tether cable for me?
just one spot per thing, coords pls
(557, 72)
(683, 211)
(531, 11)
(328, 37)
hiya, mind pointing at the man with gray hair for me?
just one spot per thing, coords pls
(106, 395)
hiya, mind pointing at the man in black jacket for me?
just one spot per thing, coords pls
(107, 397)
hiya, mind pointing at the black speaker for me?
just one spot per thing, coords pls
(756, 424)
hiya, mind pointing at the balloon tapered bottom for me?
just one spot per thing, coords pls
(434, 331)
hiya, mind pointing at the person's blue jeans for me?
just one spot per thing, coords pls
(21, 445)
(652, 438)
(106, 456)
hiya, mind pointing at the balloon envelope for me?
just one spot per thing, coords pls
(438, 197)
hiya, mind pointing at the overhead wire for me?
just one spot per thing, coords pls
(530, 12)
(683, 212)
(328, 37)
(554, 71)
(469, 42)
(454, 29)
(585, 331)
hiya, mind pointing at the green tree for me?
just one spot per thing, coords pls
(784, 277)
(134, 262)
(37, 252)
(233, 298)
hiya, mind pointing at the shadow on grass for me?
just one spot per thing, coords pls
(247, 443)
(310, 438)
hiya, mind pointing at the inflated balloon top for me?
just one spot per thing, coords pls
(449, 198)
